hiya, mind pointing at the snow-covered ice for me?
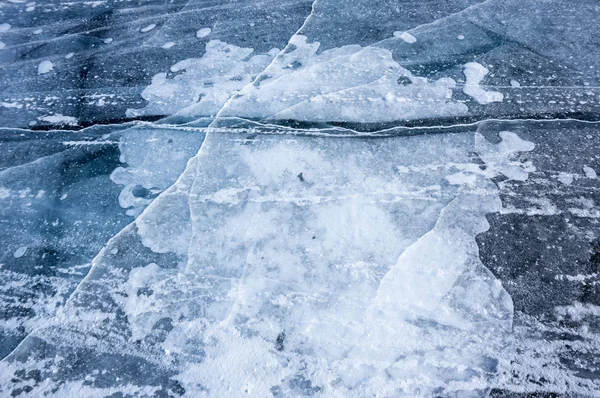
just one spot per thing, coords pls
(312, 198)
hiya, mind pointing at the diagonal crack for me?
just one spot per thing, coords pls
(260, 76)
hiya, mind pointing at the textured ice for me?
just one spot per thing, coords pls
(294, 264)
(202, 86)
(326, 203)
(349, 83)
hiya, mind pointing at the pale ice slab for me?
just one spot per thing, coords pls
(153, 159)
(328, 255)
(349, 83)
(201, 86)
(299, 263)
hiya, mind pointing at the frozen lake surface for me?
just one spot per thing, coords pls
(332, 198)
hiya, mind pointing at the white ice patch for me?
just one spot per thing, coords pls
(201, 33)
(578, 311)
(45, 67)
(589, 172)
(20, 252)
(475, 72)
(202, 85)
(148, 28)
(405, 36)
(565, 178)
(168, 45)
(350, 83)
(154, 159)
(59, 119)
(4, 27)
(316, 264)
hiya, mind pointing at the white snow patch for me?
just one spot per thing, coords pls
(69, 55)
(148, 28)
(405, 36)
(578, 311)
(2, 45)
(565, 178)
(108, 40)
(45, 67)
(168, 45)
(203, 32)
(59, 119)
(4, 27)
(20, 252)
(514, 83)
(11, 105)
(475, 72)
(589, 172)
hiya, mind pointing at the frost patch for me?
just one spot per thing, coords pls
(578, 311)
(154, 160)
(475, 72)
